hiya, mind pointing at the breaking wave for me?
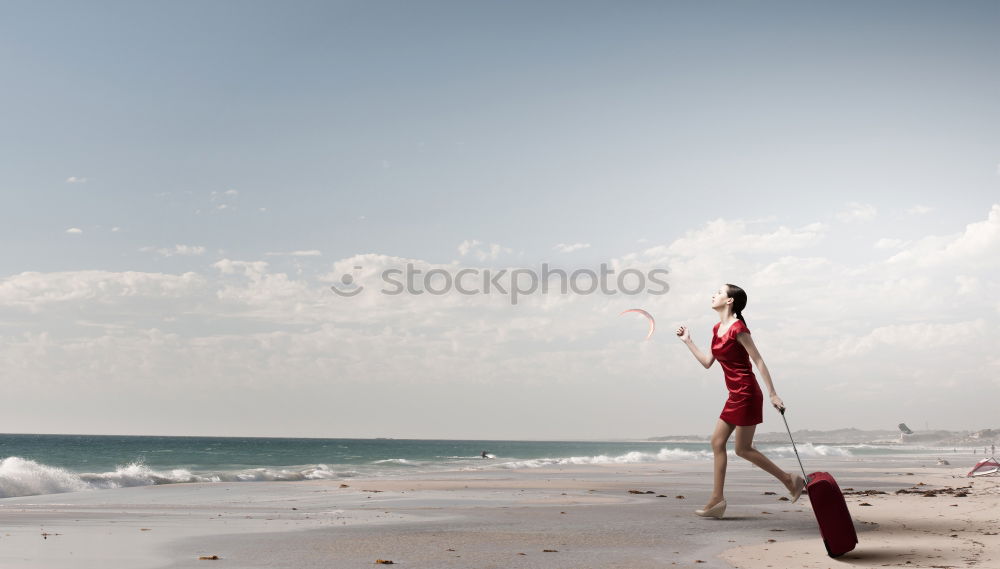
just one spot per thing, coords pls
(807, 450)
(401, 461)
(664, 455)
(24, 477)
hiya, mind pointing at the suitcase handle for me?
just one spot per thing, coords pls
(804, 476)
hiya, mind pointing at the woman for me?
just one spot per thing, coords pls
(734, 348)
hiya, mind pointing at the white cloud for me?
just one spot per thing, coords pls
(481, 251)
(888, 329)
(888, 243)
(248, 268)
(857, 212)
(306, 253)
(968, 285)
(465, 246)
(566, 248)
(919, 210)
(917, 337)
(177, 250)
(74, 230)
(34, 290)
(979, 243)
(116, 229)
(732, 237)
(788, 271)
(222, 200)
(76, 180)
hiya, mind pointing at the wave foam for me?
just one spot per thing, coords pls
(671, 454)
(24, 477)
(664, 455)
(807, 450)
(402, 461)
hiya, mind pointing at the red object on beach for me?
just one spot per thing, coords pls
(986, 466)
(836, 526)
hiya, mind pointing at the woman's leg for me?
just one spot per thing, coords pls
(745, 449)
(719, 439)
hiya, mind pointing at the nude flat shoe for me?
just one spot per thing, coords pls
(715, 511)
(800, 485)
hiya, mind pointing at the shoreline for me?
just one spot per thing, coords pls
(489, 518)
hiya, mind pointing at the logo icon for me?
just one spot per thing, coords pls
(347, 286)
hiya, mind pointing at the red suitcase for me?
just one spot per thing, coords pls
(836, 526)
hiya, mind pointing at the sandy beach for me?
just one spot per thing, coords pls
(939, 519)
(572, 516)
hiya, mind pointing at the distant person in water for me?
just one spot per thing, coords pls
(484, 454)
(744, 410)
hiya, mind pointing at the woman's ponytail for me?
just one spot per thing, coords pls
(739, 297)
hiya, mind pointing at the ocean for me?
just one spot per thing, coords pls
(48, 464)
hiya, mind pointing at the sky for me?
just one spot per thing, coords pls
(188, 190)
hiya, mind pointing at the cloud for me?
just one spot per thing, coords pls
(919, 210)
(889, 329)
(33, 290)
(968, 285)
(76, 180)
(248, 268)
(916, 337)
(222, 200)
(481, 251)
(887, 243)
(857, 212)
(979, 243)
(565, 248)
(216, 195)
(307, 253)
(74, 230)
(732, 237)
(465, 246)
(177, 250)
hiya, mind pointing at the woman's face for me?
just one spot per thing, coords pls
(721, 297)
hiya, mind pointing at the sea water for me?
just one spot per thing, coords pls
(47, 464)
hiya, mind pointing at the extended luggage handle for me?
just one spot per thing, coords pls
(804, 476)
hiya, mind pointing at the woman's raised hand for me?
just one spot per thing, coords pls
(683, 334)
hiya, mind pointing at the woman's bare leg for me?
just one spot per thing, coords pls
(745, 449)
(720, 437)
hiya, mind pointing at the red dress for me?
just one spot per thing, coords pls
(745, 405)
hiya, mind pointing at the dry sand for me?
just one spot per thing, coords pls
(508, 519)
(922, 527)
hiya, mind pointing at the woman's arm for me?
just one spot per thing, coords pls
(746, 341)
(704, 360)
